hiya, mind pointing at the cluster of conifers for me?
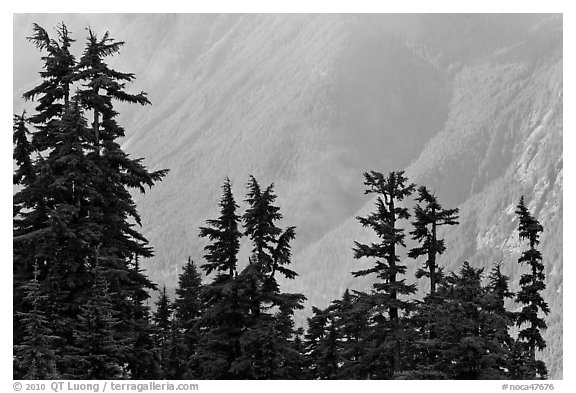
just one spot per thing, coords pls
(80, 297)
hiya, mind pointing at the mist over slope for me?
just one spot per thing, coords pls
(502, 139)
(470, 105)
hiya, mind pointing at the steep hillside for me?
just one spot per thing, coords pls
(284, 98)
(502, 139)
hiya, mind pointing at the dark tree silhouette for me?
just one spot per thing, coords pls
(269, 330)
(388, 290)
(185, 330)
(224, 313)
(429, 217)
(74, 199)
(531, 286)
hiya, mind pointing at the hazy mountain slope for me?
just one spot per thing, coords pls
(502, 139)
(306, 101)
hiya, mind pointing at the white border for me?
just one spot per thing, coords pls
(261, 6)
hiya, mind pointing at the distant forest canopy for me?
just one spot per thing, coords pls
(81, 298)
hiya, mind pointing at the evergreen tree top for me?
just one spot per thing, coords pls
(57, 75)
(467, 283)
(529, 227)
(429, 211)
(271, 245)
(261, 215)
(91, 63)
(498, 282)
(394, 186)
(224, 235)
(163, 310)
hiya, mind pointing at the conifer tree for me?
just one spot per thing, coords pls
(163, 321)
(388, 290)
(315, 336)
(187, 305)
(299, 367)
(264, 346)
(102, 85)
(337, 338)
(499, 319)
(79, 198)
(328, 366)
(466, 341)
(177, 353)
(35, 357)
(430, 216)
(114, 210)
(350, 315)
(225, 236)
(53, 93)
(188, 309)
(390, 191)
(98, 349)
(31, 203)
(292, 362)
(476, 353)
(24, 176)
(498, 288)
(144, 362)
(262, 343)
(531, 285)
(25, 172)
(271, 245)
(223, 318)
(54, 230)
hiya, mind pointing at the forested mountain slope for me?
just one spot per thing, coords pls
(502, 139)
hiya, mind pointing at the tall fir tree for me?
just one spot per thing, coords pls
(188, 302)
(79, 198)
(531, 286)
(271, 251)
(389, 289)
(262, 343)
(429, 217)
(114, 210)
(223, 317)
(31, 204)
(224, 232)
(52, 95)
